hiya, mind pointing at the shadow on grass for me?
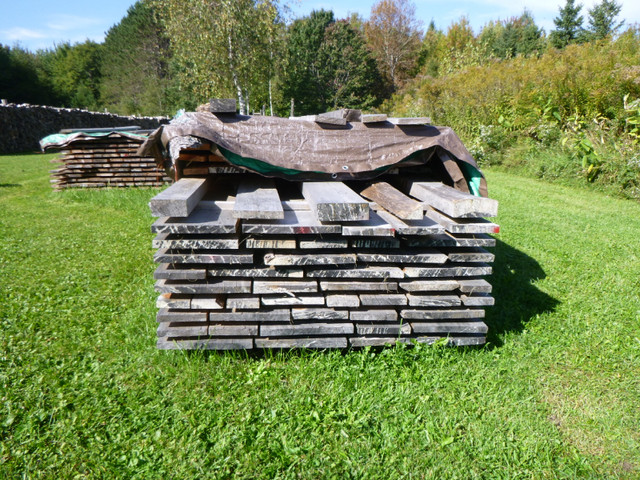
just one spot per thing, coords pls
(9, 185)
(517, 298)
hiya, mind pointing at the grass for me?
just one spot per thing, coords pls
(85, 394)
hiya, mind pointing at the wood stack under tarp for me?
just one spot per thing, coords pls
(94, 159)
(304, 260)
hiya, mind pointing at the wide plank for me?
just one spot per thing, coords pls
(334, 201)
(453, 202)
(257, 198)
(394, 201)
(179, 199)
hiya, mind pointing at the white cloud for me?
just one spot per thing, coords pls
(63, 22)
(19, 33)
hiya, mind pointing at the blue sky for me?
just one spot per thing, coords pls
(36, 24)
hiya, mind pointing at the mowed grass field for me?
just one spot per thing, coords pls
(84, 393)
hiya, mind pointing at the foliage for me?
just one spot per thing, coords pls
(393, 34)
(517, 36)
(135, 65)
(568, 25)
(22, 79)
(85, 393)
(602, 19)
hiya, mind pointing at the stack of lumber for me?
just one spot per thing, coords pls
(248, 262)
(106, 161)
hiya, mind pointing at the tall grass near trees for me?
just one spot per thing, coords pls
(84, 393)
(566, 114)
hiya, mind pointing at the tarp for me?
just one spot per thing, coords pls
(61, 140)
(297, 149)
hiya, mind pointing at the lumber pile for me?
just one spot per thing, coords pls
(250, 262)
(108, 160)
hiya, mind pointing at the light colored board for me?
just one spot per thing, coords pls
(320, 343)
(167, 300)
(207, 302)
(255, 272)
(343, 301)
(453, 202)
(432, 256)
(270, 243)
(425, 226)
(449, 327)
(277, 315)
(246, 330)
(304, 329)
(433, 300)
(442, 314)
(394, 201)
(477, 255)
(211, 287)
(474, 286)
(257, 198)
(323, 243)
(294, 222)
(180, 330)
(359, 286)
(166, 241)
(228, 258)
(374, 226)
(325, 119)
(409, 120)
(165, 271)
(443, 272)
(319, 314)
(455, 341)
(383, 329)
(334, 201)
(243, 303)
(478, 300)
(292, 301)
(179, 199)
(369, 272)
(206, 344)
(264, 287)
(373, 315)
(462, 225)
(374, 117)
(358, 342)
(383, 300)
(429, 285)
(309, 259)
(166, 315)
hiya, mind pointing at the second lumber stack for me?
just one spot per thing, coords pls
(247, 262)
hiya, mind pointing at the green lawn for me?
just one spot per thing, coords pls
(85, 393)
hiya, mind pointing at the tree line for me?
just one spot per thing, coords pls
(170, 54)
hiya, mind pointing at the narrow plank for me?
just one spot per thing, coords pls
(324, 119)
(167, 315)
(383, 300)
(319, 343)
(383, 329)
(442, 314)
(277, 315)
(270, 301)
(453, 202)
(374, 226)
(448, 240)
(394, 201)
(433, 300)
(294, 222)
(374, 243)
(167, 272)
(463, 225)
(439, 272)
(374, 117)
(373, 315)
(223, 286)
(167, 300)
(476, 255)
(270, 243)
(425, 226)
(323, 243)
(369, 272)
(474, 286)
(261, 287)
(207, 302)
(449, 327)
(359, 286)
(228, 258)
(255, 272)
(180, 198)
(168, 241)
(432, 256)
(201, 221)
(429, 285)
(455, 341)
(247, 330)
(309, 259)
(300, 329)
(358, 342)
(343, 300)
(243, 303)
(409, 120)
(257, 198)
(478, 300)
(206, 344)
(334, 201)
(319, 314)
(170, 330)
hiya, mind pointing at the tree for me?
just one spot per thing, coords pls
(223, 47)
(393, 34)
(432, 51)
(22, 79)
(135, 65)
(602, 20)
(518, 36)
(568, 26)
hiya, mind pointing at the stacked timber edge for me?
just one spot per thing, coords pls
(98, 158)
(247, 262)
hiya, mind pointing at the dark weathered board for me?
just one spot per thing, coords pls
(171, 241)
(433, 300)
(201, 221)
(270, 243)
(238, 257)
(205, 344)
(429, 285)
(449, 327)
(334, 201)
(394, 201)
(284, 286)
(471, 286)
(442, 314)
(298, 300)
(383, 299)
(315, 342)
(374, 226)
(168, 272)
(444, 272)
(304, 329)
(277, 315)
(255, 272)
(179, 199)
(477, 300)
(424, 226)
(384, 315)
(359, 286)
(222, 286)
(432, 256)
(294, 222)
(369, 272)
(462, 225)
(408, 121)
(383, 329)
(243, 303)
(309, 259)
(257, 199)
(319, 314)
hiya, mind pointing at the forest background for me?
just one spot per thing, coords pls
(562, 105)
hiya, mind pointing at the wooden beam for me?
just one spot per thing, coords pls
(179, 199)
(334, 201)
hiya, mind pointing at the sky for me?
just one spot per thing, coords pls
(41, 24)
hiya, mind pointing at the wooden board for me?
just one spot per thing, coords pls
(257, 198)
(221, 286)
(463, 225)
(334, 201)
(294, 222)
(179, 199)
(374, 226)
(309, 259)
(453, 202)
(304, 329)
(317, 342)
(394, 201)
(425, 226)
(201, 221)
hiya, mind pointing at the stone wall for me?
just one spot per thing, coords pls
(22, 126)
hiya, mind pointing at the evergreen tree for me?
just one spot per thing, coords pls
(518, 36)
(602, 20)
(568, 26)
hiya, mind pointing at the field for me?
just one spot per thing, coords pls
(84, 393)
